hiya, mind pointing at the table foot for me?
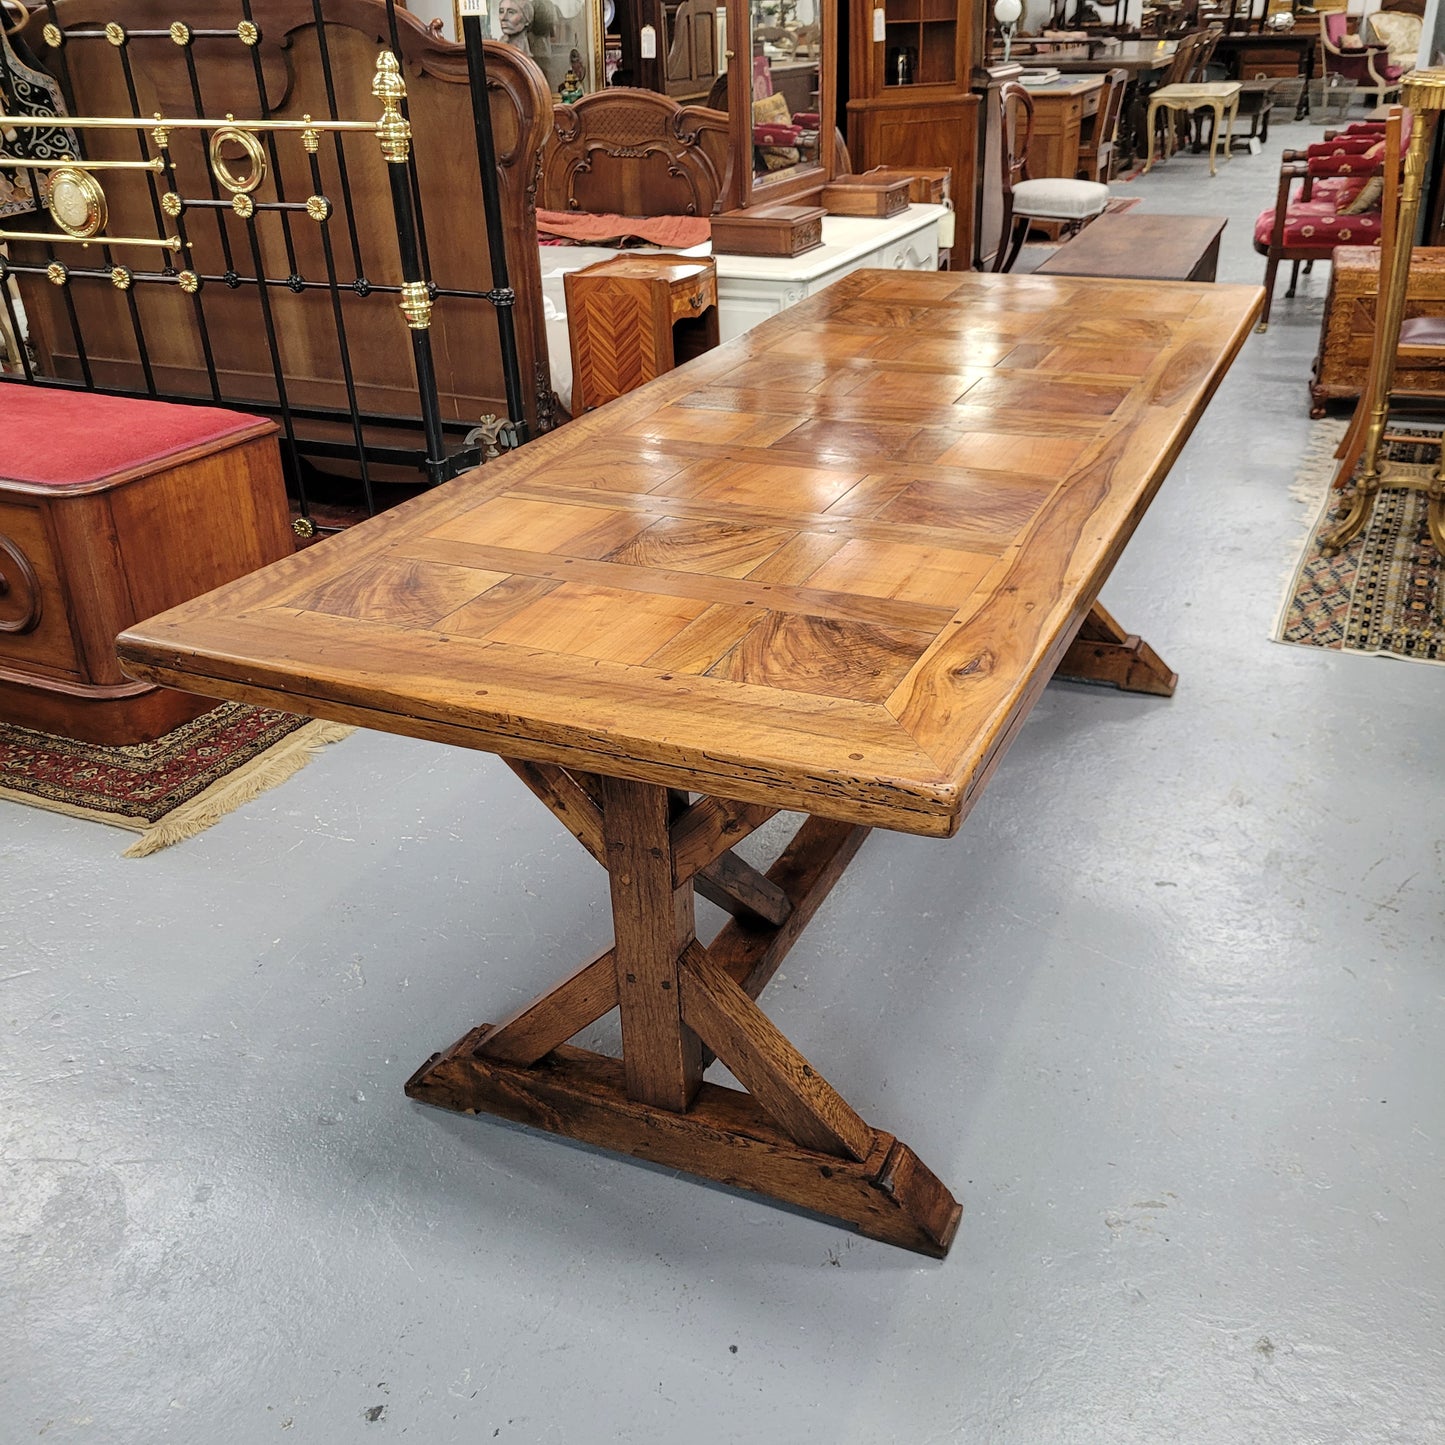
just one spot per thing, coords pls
(1103, 652)
(787, 1133)
(724, 1136)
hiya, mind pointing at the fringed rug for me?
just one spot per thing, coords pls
(1383, 594)
(167, 790)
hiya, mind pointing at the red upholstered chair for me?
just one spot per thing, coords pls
(1352, 67)
(1322, 203)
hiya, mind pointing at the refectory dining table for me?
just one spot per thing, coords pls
(826, 568)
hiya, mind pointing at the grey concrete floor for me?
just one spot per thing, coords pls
(1167, 1015)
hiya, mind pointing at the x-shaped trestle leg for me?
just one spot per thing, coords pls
(790, 1135)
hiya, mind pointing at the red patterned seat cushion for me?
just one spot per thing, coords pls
(1317, 224)
(64, 438)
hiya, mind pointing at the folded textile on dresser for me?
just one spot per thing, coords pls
(591, 229)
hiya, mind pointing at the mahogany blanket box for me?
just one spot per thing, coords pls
(111, 509)
(1347, 334)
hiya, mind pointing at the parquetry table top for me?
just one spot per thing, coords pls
(827, 566)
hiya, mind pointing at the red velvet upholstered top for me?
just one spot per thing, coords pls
(50, 437)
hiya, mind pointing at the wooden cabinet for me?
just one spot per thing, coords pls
(910, 66)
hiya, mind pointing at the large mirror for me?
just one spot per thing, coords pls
(781, 56)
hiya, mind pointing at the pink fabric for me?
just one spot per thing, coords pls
(777, 135)
(1344, 145)
(1352, 163)
(584, 228)
(57, 437)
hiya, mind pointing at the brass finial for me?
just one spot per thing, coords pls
(416, 305)
(392, 130)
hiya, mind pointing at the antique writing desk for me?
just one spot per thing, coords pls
(827, 567)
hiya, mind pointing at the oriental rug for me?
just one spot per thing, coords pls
(1383, 594)
(168, 790)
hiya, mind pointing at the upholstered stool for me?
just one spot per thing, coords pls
(112, 510)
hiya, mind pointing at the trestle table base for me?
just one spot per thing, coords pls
(787, 1134)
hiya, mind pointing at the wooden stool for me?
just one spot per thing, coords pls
(111, 510)
(632, 318)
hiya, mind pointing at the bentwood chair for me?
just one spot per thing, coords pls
(1061, 199)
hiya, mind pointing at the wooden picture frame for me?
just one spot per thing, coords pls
(559, 35)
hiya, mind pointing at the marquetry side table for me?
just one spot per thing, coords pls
(631, 318)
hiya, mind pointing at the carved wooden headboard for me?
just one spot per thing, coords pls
(635, 153)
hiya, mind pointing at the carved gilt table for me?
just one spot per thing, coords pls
(827, 567)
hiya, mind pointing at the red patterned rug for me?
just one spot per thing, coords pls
(1383, 594)
(167, 790)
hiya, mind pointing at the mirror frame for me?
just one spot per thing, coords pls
(750, 190)
(591, 12)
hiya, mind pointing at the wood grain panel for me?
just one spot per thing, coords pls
(942, 575)
(785, 484)
(723, 549)
(585, 621)
(823, 655)
(412, 593)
